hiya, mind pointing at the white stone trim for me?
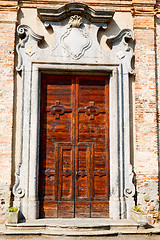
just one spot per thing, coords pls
(30, 140)
(95, 61)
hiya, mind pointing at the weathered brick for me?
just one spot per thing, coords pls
(147, 72)
(7, 46)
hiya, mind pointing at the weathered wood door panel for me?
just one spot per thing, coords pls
(74, 146)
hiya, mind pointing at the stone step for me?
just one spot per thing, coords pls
(77, 223)
(76, 229)
(63, 233)
(73, 227)
(72, 233)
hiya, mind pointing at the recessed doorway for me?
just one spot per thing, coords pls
(74, 146)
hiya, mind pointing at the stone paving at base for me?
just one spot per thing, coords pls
(120, 237)
(66, 230)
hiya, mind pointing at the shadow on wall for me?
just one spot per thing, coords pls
(112, 29)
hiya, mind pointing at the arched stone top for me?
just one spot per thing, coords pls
(57, 15)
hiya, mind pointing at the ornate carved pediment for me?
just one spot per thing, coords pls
(74, 35)
(75, 28)
(77, 36)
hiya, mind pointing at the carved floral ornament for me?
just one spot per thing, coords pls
(75, 21)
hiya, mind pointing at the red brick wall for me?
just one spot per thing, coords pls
(146, 155)
(7, 46)
(146, 160)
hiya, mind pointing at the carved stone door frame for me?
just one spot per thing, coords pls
(89, 59)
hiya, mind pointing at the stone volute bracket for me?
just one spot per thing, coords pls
(25, 32)
(17, 190)
(122, 49)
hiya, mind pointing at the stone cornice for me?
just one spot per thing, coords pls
(136, 7)
(57, 15)
(9, 6)
(6, 9)
(144, 2)
(143, 8)
(114, 5)
(139, 11)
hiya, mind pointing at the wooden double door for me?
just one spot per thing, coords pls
(74, 146)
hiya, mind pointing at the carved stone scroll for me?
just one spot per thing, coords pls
(129, 190)
(123, 51)
(18, 191)
(25, 32)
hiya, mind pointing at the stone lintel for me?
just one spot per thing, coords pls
(144, 2)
